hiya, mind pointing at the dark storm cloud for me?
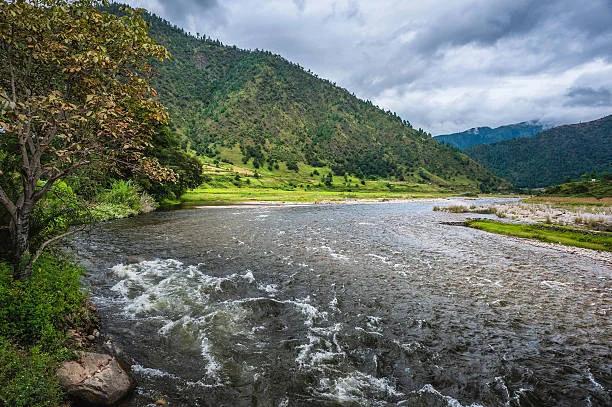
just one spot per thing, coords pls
(443, 65)
(589, 97)
(483, 23)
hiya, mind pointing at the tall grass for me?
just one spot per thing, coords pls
(123, 199)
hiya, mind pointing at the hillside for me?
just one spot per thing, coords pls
(487, 135)
(551, 156)
(259, 111)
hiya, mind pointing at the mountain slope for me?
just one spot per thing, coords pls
(487, 135)
(551, 156)
(258, 108)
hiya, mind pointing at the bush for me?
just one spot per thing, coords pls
(122, 193)
(56, 212)
(123, 199)
(32, 330)
(32, 312)
(27, 378)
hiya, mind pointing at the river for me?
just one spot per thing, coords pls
(348, 305)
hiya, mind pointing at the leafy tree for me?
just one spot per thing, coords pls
(328, 180)
(74, 92)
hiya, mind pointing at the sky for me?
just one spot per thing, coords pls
(443, 65)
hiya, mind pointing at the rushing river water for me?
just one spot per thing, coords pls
(348, 305)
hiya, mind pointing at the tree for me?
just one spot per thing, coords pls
(74, 92)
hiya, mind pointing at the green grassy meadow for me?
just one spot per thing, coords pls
(226, 182)
(567, 236)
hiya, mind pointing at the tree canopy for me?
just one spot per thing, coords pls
(74, 92)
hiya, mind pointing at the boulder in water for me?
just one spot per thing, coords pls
(95, 378)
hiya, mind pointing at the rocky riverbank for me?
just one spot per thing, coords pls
(98, 376)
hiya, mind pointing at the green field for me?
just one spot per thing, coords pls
(601, 241)
(229, 183)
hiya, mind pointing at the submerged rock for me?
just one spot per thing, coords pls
(95, 378)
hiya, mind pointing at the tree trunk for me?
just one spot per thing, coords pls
(20, 236)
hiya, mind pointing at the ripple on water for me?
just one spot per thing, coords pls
(368, 305)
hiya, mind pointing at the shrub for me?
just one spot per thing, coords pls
(123, 199)
(32, 330)
(27, 378)
(33, 311)
(56, 212)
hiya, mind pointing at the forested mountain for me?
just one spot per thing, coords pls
(487, 135)
(230, 103)
(550, 157)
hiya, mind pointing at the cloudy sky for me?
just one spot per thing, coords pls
(443, 65)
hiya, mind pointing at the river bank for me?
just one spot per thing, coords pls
(583, 223)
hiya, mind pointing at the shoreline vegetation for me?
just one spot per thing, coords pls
(566, 236)
(112, 152)
(578, 222)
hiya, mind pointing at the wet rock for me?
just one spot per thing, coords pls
(97, 379)
(113, 348)
(133, 259)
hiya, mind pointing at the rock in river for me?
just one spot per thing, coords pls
(95, 378)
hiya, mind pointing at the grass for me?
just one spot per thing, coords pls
(230, 181)
(547, 233)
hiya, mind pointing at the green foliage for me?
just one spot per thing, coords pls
(166, 148)
(328, 180)
(56, 212)
(551, 156)
(123, 199)
(592, 186)
(27, 377)
(33, 311)
(32, 330)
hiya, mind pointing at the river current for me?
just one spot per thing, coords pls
(348, 305)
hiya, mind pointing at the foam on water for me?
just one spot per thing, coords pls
(428, 389)
(149, 372)
(357, 387)
(382, 259)
(322, 347)
(213, 367)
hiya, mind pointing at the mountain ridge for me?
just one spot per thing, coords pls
(229, 103)
(548, 158)
(488, 135)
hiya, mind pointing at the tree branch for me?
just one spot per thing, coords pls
(53, 239)
(41, 192)
(7, 203)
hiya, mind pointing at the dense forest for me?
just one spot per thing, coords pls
(487, 135)
(552, 156)
(224, 99)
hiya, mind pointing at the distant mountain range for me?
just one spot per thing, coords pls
(487, 135)
(258, 111)
(550, 156)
